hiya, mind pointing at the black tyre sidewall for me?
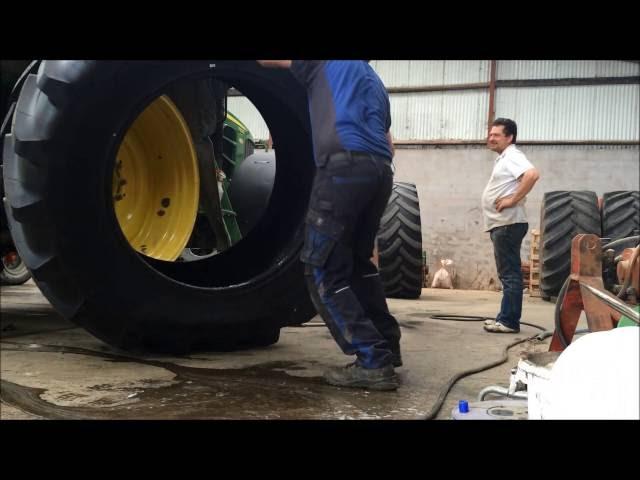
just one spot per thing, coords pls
(126, 301)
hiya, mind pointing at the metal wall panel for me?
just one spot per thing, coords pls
(535, 69)
(601, 112)
(242, 108)
(456, 115)
(406, 73)
(575, 113)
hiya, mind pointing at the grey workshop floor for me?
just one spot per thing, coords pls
(53, 370)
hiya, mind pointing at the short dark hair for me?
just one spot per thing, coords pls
(509, 127)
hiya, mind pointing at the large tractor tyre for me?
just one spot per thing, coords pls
(399, 243)
(620, 214)
(14, 271)
(563, 215)
(61, 161)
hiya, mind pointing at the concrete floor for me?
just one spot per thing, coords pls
(51, 369)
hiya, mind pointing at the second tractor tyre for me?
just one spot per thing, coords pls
(400, 243)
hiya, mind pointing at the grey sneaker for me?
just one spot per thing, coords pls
(490, 321)
(500, 328)
(396, 358)
(354, 376)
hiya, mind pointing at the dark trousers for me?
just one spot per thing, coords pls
(349, 196)
(507, 241)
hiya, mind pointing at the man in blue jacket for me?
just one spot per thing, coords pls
(350, 120)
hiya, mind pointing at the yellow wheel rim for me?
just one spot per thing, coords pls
(156, 182)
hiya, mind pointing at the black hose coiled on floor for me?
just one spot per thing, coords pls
(465, 373)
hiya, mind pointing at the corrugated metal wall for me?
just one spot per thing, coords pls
(442, 115)
(405, 73)
(242, 108)
(608, 113)
(535, 69)
(579, 113)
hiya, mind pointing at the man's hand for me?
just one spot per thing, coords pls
(526, 181)
(505, 202)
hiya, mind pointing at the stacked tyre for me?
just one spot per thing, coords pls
(400, 243)
(565, 214)
(620, 214)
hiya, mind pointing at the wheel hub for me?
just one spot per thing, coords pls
(156, 182)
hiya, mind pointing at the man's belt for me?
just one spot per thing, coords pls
(349, 157)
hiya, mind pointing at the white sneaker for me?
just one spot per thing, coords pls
(497, 327)
(490, 321)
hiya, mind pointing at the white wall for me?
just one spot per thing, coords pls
(450, 181)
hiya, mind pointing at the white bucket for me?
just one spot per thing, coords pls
(597, 377)
(534, 370)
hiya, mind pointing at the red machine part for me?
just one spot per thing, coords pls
(586, 271)
(628, 271)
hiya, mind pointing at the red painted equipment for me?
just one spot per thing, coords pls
(585, 290)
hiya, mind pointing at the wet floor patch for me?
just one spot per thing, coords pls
(29, 318)
(46, 377)
(264, 391)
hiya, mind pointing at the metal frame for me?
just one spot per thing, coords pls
(586, 292)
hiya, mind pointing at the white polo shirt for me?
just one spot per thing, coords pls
(509, 166)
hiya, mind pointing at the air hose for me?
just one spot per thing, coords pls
(465, 373)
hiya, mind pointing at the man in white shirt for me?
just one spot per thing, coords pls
(505, 219)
